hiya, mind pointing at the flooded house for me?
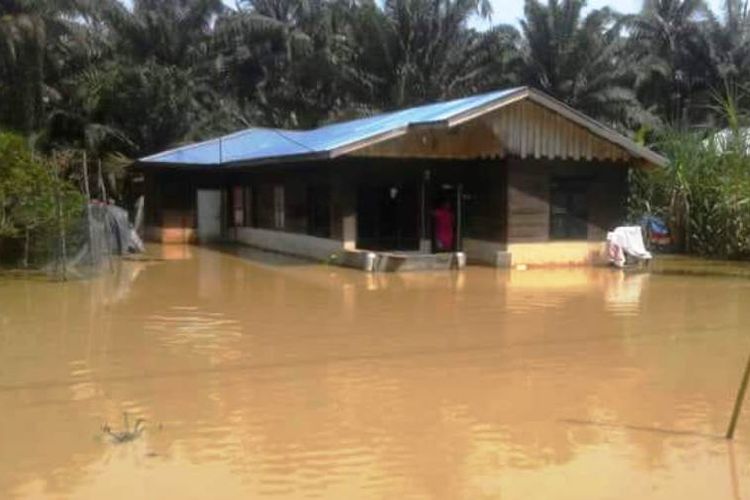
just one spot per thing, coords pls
(512, 177)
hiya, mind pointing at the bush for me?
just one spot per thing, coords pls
(38, 205)
(704, 193)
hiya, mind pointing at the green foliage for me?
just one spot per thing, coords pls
(99, 76)
(704, 193)
(421, 50)
(33, 195)
(14, 159)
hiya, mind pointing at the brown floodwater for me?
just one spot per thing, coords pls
(265, 377)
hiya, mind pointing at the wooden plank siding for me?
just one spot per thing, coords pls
(524, 129)
(528, 203)
(474, 139)
(529, 196)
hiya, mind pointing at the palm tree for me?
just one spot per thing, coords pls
(28, 30)
(670, 51)
(156, 87)
(730, 43)
(579, 59)
(291, 63)
(419, 50)
(170, 32)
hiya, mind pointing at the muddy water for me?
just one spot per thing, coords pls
(262, 377)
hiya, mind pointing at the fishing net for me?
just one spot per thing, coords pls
(85, 245)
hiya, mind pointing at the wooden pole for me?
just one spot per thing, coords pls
(423, 213)
(738, 402)
(105, 200)
(459, 217)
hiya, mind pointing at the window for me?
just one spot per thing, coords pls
(238, 212)
(319, 211)
(249, 218)
(278, 207)
(569, 209)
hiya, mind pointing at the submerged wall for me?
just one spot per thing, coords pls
(169, 235)
(300, 245)
(174, 226)
(489, 253)
(557, 253)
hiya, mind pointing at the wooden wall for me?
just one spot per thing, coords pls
(529, 196)
(171, 195)
(528, 130)
(507, 200)
(528, 202)
(475, 139)
(607, 201)
(343, 210)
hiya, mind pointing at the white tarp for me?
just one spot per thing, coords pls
(626, 240)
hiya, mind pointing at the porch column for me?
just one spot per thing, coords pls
(425, 241)
(344, 201)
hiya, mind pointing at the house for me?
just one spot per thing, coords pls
(526, 179)
(729, 139)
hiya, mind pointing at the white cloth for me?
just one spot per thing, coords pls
(626, 240)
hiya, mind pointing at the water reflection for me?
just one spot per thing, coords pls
(623, 295)
(279, 379)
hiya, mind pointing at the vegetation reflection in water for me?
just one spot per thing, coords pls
(281, 379)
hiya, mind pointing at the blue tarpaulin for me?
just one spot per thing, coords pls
(258, 144)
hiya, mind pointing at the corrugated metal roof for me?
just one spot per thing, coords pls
(247, 145)
(259, 144)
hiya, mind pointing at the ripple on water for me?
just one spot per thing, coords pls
(196, 329)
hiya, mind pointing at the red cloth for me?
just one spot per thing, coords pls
(444, 228)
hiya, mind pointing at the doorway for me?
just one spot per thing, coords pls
(388, 217)
(210, 227)
(447, 218)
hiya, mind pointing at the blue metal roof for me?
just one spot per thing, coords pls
(258, 144)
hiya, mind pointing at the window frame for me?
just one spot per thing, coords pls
(249, 197)
(319, 206)
(279, 207)
(575, 219)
